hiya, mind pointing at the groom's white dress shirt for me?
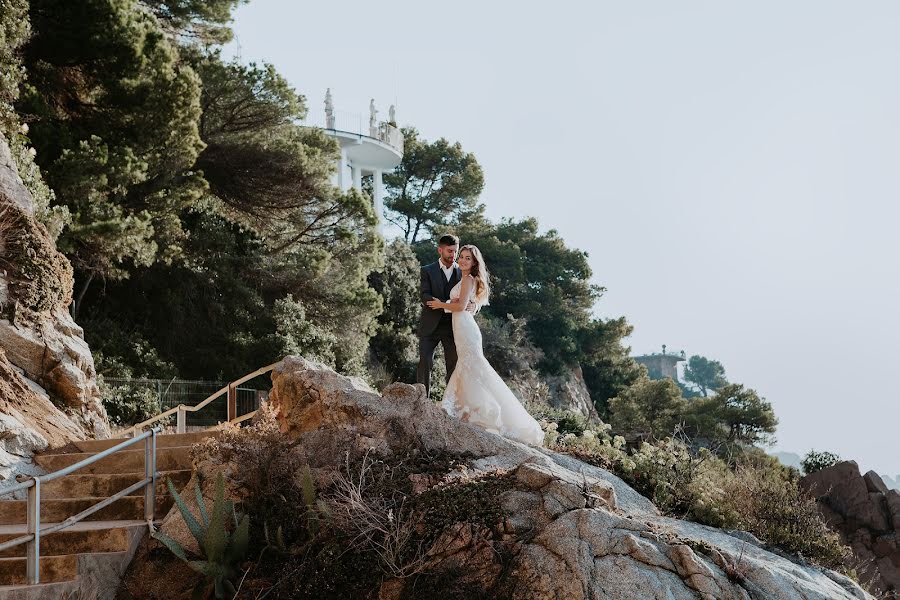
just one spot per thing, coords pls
(448, 271)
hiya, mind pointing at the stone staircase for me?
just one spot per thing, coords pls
(88, 558)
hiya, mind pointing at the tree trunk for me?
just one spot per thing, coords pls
(80, 299)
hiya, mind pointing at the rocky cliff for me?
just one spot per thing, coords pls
(48, 392)
(564, 529)
(867, 515)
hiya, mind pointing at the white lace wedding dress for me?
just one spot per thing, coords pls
(477, 394)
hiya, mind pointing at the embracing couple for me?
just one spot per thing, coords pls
(453, 289)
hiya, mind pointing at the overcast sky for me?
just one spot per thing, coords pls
(732, 170)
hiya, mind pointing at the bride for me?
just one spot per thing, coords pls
(475, 392)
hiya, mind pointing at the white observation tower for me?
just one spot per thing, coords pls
(368, 147)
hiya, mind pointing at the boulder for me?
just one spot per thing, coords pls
(874, 483)
(569, 392)
(571, 530)
(49, 391)
(866, 514)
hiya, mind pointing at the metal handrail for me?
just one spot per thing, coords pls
(182, 409)
(33, 485)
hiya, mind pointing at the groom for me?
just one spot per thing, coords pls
(436, 325)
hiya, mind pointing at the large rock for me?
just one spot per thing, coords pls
(50, 393)
(569, 392)
(576, 531)
(867, 515)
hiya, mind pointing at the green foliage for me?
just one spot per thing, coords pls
(223, 550)
(754, 494)
(606, 362)
(201, 21)
(771, 505)
(733, 416)
(394, 344)
(128, 404)
(295, 334)
(707, 375)
(14, 30)
(650, 407)
(114, 119)
(816, 461)
(436, 184)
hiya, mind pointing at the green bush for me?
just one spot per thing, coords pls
(816, 461)
(128, 404)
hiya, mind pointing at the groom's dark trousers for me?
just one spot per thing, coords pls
(435, 326)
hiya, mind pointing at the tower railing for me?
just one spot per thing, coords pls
(358, 124)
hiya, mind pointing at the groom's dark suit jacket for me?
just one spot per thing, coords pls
(434, 284)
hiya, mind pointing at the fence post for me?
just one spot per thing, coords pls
(181, 420)
(150, 473)
(33, 548)
(232, 402)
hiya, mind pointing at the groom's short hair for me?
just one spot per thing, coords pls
(448, 240)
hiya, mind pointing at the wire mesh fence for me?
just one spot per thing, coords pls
(172, 392)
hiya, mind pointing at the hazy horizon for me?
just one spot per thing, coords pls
(732, 170)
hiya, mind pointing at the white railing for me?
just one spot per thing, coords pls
(358, 124)
(32, 538)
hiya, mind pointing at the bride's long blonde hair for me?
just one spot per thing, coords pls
(480, 273)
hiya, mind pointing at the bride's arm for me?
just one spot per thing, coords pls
(460, 304)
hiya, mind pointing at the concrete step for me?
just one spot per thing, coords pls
(167, 440)
(64, 590)
(52, 568)
(104, 485)
(80, 538)
(126, 461)
(13, 512)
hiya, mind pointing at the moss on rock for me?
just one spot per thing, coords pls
(40, 277)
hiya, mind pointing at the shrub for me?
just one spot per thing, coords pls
(222, 549)
(756, 494)
(128, 404)
(816, 461)
(649, 407)
(273, 481)
(771, 505)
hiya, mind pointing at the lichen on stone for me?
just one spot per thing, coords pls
(39, 277)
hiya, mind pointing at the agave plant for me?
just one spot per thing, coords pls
(222, 550)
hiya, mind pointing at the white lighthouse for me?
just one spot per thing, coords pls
(368, 147)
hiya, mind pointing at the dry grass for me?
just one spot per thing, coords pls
(374, 522)
(776, 510)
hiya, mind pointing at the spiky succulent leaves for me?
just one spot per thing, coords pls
(279, 540)
(224, 589)
(201, 505)
(308, 489)
(171, 544)
(213, 571)
(216, 535)
(218, 574)
(189, 518)
(240, 540)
